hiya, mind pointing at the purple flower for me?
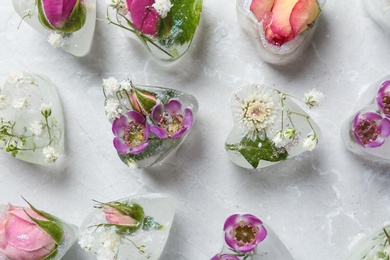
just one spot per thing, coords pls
(370, 129)
(244, 232)
(383, 98)
(224, 257)
(169, 121)
(131, 133)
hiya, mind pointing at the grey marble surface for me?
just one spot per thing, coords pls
(319, 203)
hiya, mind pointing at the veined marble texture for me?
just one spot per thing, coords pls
(319, 204)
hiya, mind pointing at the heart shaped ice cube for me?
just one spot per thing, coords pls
(269, 127)
(68, 24)
(247, 237)
(148, 122)
(136, 227)
(165, 27)
(31, 120)
(282, 29)
(366, 132)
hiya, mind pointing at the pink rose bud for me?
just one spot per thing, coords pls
(114, 216)
(63, 15)
(21, 238)
(142, 101)
(144, 17)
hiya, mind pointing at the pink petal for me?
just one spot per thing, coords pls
(187, 118)
(139, 149)
(384, 127)
(58, 11)
(119, 126)
(157, 112)
(19, 254)
(173, 106)
(120, 146)
(160, 132)
(143, 16)
(113, 216)
(179, 134)
(135, 116)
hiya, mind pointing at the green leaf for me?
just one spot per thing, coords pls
(181, 22)
(255, 150)
(76, 19)
(151, 224)
(52, 255)
(52, 226)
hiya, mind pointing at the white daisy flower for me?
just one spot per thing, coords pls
(313, 98)
(113, 108)
(162, 7)
(310, 142)
(50, 154)
(110, 86)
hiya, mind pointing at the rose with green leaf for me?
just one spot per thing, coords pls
(29, 234)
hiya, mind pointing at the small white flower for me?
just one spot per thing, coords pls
(313, 98)
(36, 128)
(132, 164)
(310, 142)
(113, 109)
(19, 103)
(18, 78)
(51, 155)
(162, 7)
(125, 85)
(289, 133)
(106, 254)
(86, 241)
(55, 39)
(3, 101)
(278, 139)
(110, 86)
(45, 109)
(119, 5)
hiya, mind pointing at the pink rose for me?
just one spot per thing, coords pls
(113, 216)
(144, 17)
(21, 238)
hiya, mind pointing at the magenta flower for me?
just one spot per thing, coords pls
(244, 232)
(224, 257)
(383, 98)
(168, 120)
(144, 17)
(63, 15)
(131, 133)
(370, 129)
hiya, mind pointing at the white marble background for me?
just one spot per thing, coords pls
(317, 203)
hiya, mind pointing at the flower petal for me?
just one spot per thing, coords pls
(157, 113)
(179, 133)
(188, 118)
(139, 149)
(384, 128)
(120, 146)
(160, 132)
(372, 116)
(119, 126)
(173, 106)
(144, 18)
(135, 116)
(58, 11)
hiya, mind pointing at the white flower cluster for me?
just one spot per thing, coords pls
(107, 244)
(113, 108)
(36, 128)
(19, 79)
(313, 98)
(162, 7)
(19, 103)
(56, 39)
(50, 154)
(111, 87)
(310, 142)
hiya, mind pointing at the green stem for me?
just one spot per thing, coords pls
(387, 235)
(307, 119)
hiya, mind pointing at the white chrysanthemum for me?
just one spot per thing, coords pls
(3, 101)
(51, 155)
(55, 39)
(310, 142)
(19, 78)
(36, 128)
(110, 86)
(313, 98)
(162, 7)
(278, 139)
(113, 108)
(19, 103)
(126, 85)
(259, 110)
(86, 242)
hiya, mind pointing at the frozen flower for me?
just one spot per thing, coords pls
(119, 5)
(143, 17)
(131, 133)
(143, 101)
(244, 232)
(114, 216)
(45, 109)
(370, 129)
(278, 139)
(383, 98)
(55, 39)
(113, 108)
(110, 239)
(126, 85)
(19, 103)
(18, 78)
(313, 98)
(86, 241)
(51, 155)
(310, 142)
(106, 254)
(12, 145)
(162, 7)
(258, 111)
(110, 86)
(289, 133)
(224, 257)
(36, 127)
(3, 101)
(169, 120)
